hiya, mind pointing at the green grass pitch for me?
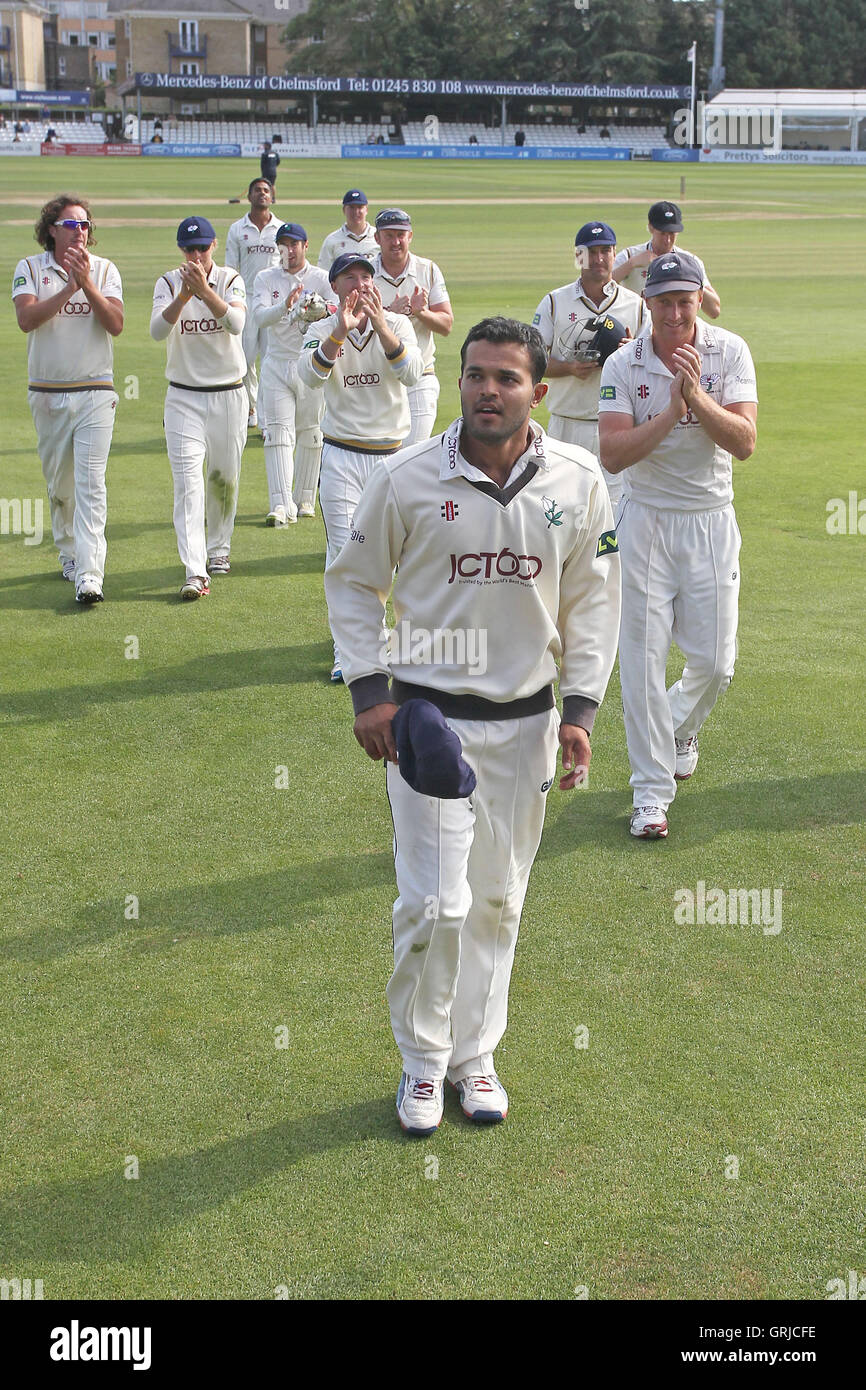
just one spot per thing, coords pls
(264, 912)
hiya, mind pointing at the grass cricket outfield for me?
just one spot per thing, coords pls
(687, 1112)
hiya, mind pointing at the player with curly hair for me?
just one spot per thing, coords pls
(70, 303)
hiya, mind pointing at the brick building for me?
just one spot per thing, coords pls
(201, 38)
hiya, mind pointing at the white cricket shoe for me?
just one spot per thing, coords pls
(277, 517)
(67, 570)
(420, 1103)
(88, 591)
(252, 419)
(483, 1098)
(307, 509)
(336, 674)
(195, 587)
(649, 823)
(687, 757)
(218, 564)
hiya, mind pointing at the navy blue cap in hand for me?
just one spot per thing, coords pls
(429, 752)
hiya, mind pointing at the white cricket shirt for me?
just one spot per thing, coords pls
(563, 318)
(202, 351)
(250, 249)
(687, 471)
(636, 279)
(418, 273)
(534, 567)
(366, 406)
(72, 349)
(268, 305)
(342, 240)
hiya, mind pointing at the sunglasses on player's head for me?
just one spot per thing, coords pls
(74, 224)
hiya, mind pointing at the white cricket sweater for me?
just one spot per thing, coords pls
(342, 241)
(687, 471)
(71, 351)
(271, 290)
(251, 249)
(532, 571)
(418, 273)
(202, 351)
(563, 319)
(366, 406)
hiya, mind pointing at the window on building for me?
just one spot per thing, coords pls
(72, 39)
(189, 69)
(93, 40)
(128, 68)
(261, 70)
(189, 34)
(61, 67)
(112, 40)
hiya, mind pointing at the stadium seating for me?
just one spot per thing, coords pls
(68, 132)
(332, 134)
(194, 131)
(636, 137)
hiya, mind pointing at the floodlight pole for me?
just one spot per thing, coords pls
(717, 71)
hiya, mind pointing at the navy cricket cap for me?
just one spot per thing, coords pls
(392, 217)
(665, 217)
(291, 231)
(430, 754)
(195, 231)
(595, 234)
(355, 198)
(678, 271)
(345, 262)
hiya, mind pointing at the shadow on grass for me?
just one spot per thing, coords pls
(779, 805)
(26, 591)
(260, 903)
(108, 1217)
(223, 671)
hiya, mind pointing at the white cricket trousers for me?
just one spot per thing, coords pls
(250, 344)
(423, 402)
(290, 415)
(199, 426)
(680, 583)
(342, 480)
(585, 433)
(73, 429)
(462, 873)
